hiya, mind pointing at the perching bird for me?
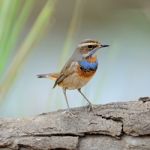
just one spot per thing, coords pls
(78, 70)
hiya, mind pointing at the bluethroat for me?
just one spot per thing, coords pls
(78, 70)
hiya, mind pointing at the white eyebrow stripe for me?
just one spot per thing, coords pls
(86, 44)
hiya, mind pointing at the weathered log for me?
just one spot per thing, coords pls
(115, 126)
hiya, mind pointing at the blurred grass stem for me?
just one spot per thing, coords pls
(27, 45)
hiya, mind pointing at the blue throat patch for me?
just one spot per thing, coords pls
(85, 65)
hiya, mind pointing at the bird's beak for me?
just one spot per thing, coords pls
(104, 46)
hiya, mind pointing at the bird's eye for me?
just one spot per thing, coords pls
(90, 46)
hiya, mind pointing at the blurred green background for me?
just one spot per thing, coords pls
(38, 36)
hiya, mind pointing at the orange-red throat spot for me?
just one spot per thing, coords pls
(92, 59)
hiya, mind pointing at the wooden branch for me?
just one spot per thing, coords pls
(115, 126)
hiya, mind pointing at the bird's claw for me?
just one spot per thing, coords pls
(69, 113)
(90, 107)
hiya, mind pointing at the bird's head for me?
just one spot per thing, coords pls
(89, 47)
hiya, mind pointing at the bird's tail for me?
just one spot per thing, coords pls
(52, 76)
(43, 75)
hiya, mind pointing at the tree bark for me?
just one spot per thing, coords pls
(114, 126)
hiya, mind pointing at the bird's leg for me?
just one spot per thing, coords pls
(64, 91)
(69, 112)
(90, 104)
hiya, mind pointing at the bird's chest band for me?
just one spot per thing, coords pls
(86, 65)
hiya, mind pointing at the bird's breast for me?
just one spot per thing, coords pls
(88, 67)
(81, 74)
(89, 64)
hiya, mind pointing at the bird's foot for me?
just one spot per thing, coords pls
(69, 114)
(90, 107)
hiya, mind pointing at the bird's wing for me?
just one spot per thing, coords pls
(65, 72)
